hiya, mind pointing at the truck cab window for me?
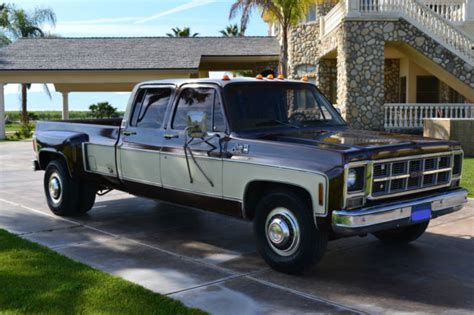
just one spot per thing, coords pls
(153, 108)
(199, 100)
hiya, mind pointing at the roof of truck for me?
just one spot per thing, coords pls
(220, 82)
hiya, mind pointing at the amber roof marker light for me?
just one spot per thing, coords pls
(305, 78)
(259, 77)
(281, 77)
(270, 77)
(225, 77)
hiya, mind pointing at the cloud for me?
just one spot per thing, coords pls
(102, 21)
(179, 8)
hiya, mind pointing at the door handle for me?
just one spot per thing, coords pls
(170, 136)
(129, 133)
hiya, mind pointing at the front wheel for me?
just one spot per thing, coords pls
(402, 235)
(287, 237)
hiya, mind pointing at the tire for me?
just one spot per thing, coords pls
(87, 193)
(402, 235)
(63, 200)
(280, 247)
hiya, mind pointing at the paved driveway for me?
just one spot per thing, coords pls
(209, 261)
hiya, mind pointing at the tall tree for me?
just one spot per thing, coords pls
(286, 13)
(4, 22)
(23, 24)
(178, 32)
(231, 30)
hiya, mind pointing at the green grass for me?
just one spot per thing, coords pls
(34, 279)
(12, 127)
(468, 176)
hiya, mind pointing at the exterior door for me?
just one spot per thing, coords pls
(201, 171)
(142, 138)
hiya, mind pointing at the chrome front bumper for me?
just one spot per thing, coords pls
(393, 215)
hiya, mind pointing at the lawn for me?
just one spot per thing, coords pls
(468, 175)
(34, 279)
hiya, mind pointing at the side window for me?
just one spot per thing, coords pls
(137, 106)
(153, 108)
(203, 100)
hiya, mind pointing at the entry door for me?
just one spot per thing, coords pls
(142, 138)
(203, 173)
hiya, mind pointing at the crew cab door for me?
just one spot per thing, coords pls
(201, 171)
(138, 152)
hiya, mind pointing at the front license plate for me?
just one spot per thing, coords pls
(421, 212)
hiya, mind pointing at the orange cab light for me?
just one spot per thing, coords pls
(281, 77)
(225, 77)
(259, 77)
(270, 77)
(305, 78)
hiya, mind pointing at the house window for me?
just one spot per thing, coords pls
(403, 90)
(455, 97)
(427, 89)
(305, 69)
(311, 15)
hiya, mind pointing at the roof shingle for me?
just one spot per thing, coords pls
(145, 53)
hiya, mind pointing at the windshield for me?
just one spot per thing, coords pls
(266, 105)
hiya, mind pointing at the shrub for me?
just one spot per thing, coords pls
(103, 110)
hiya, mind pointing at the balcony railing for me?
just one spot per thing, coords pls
(418, 13)
(411, 116)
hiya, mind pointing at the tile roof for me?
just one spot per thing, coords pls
(122, 53)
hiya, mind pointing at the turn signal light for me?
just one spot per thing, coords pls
(281, 77)
(270, 77)
(225, 77)
(305, 78)
(321, 194)
(259, 77)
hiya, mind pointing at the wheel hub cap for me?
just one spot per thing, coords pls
(55, 187)
(282, 231)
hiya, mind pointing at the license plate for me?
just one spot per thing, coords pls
(421, 212)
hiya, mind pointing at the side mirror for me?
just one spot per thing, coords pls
(197, 124)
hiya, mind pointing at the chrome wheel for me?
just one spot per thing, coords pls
(55, 188)
(282, 231)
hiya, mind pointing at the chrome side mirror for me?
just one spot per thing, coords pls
(197, 123)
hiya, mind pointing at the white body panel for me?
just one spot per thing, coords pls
(140, 165)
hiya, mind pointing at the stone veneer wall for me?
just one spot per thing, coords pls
(324, 71)
(392, 80)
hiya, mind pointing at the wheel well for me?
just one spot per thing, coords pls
(257, 189)
(45, 157)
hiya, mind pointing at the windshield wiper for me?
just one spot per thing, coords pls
(273, 121)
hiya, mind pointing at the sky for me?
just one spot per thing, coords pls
(110, 18)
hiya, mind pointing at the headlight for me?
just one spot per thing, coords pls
(356, 179)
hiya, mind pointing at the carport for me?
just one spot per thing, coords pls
(117, 64)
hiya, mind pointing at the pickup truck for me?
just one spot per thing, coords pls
(272, 151)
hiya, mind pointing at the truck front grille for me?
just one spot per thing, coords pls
(408, 175)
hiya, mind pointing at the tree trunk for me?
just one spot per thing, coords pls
(283, 64)
(24, 110)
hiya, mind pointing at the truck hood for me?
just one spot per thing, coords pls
(362, 144)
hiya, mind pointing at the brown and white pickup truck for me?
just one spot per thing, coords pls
(272, 151)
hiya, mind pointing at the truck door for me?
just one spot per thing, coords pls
(194, 164)
(138, 152)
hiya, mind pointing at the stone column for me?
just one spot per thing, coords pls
(2, 112)
(360, 74)
(65, 105)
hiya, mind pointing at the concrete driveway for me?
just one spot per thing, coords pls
(209, 261)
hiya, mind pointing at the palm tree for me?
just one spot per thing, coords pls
(231, 30)
(22, 24)
(286, 13)
(4, 22)
(185, 32)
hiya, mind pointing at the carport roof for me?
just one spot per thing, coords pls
(131, 53)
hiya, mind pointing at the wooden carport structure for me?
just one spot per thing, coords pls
(117, 64)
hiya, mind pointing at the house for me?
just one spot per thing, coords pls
(388, 64)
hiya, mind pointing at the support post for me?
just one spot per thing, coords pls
(2, 112)
(65, 105)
